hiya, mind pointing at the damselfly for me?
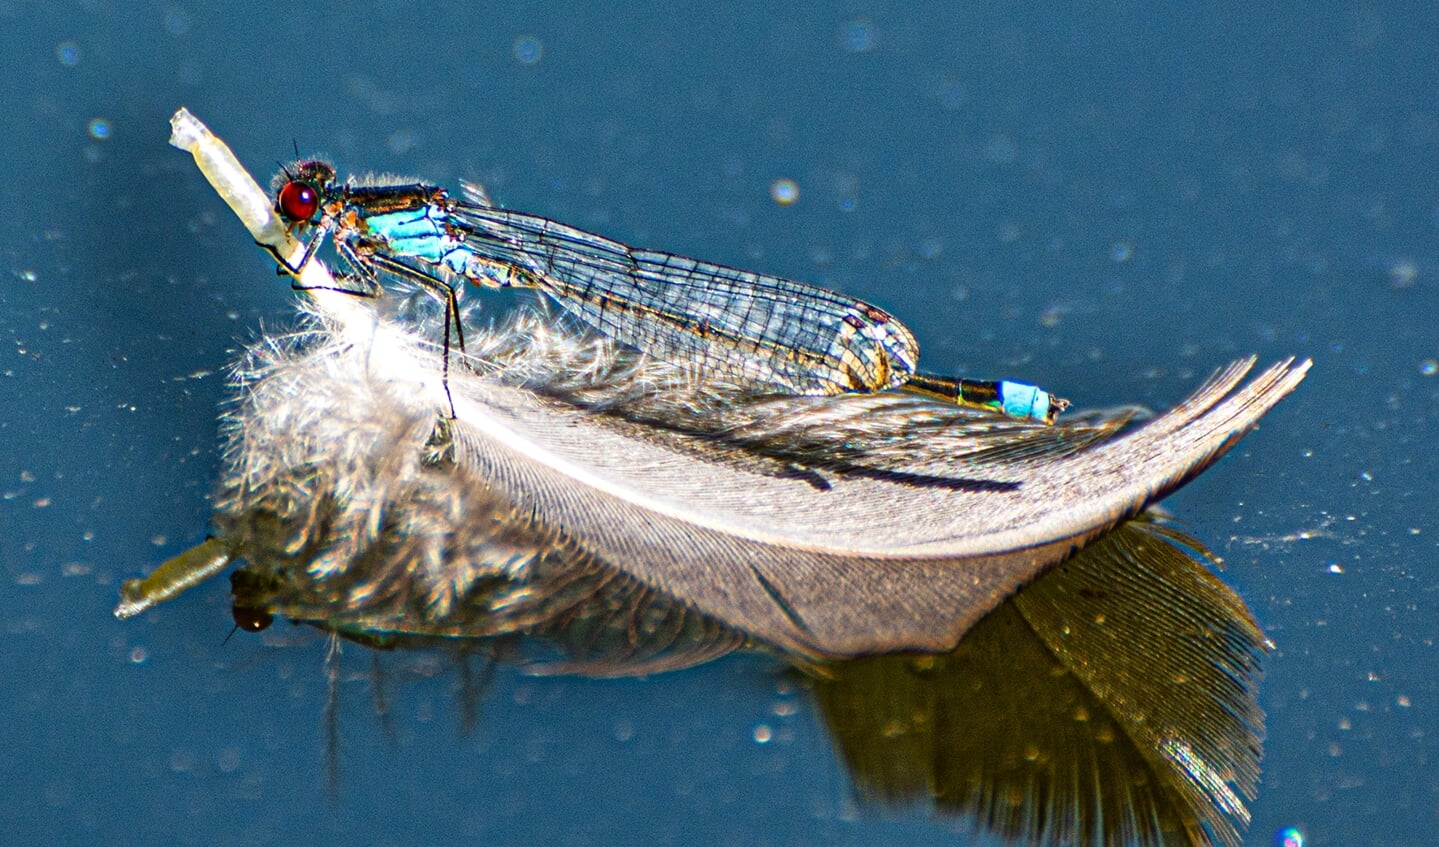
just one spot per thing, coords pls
(759, 331)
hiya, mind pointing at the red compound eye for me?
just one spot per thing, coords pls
(298, 201)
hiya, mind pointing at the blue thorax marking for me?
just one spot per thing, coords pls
(420, 234)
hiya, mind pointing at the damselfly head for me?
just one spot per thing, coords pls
(300, 194)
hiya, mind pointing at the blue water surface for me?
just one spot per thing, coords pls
(1108, 201)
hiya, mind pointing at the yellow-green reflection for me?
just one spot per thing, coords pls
(1113, 701)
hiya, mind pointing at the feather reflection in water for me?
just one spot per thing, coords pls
(1112, 701)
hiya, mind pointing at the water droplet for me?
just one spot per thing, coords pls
(68, 52)
(99, 129)
(177, 22)
(1001, 150)
(1403, 273)
(952, 95)
(1122, 251)
(1429, 367)
(785, 192)
(857, 36)
(402, 141)
(528, 50)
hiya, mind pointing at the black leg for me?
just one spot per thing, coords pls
(442, 290)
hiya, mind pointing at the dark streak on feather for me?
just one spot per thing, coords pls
(779, 601)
